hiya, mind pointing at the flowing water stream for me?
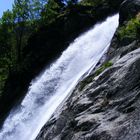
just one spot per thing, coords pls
(50, 89)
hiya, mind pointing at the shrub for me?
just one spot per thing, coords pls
(130, 29)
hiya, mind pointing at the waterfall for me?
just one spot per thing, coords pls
(50, 88)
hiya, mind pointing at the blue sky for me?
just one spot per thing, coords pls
(4, 5)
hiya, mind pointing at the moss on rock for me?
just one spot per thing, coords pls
(97, 72)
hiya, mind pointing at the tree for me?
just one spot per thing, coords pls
(51, 10)
(6, 31)
(35, 8)
(60, 2)
(6, 46)
(71, 2)
(21, 17)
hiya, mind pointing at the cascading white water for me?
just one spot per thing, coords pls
(49, 90)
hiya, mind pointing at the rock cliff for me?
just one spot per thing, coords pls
(105, 105)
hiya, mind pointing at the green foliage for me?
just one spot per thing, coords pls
(7, 18)
(91, 77)
(103, 67)
(4, 70)
(51, 10)
(91, 2)
(85, 82)
(71, 2)
(130, 29)
(17, 25)
(15, 29)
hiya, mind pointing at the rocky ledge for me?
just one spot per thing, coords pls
(104, 106)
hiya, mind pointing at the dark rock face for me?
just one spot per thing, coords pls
(107, 107)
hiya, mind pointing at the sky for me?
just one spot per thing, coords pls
(5, 5)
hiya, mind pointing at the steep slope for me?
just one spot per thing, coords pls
(105, 105)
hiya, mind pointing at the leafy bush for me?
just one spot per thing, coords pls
(130, 29)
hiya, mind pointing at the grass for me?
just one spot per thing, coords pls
(91, 77)
(103, 67)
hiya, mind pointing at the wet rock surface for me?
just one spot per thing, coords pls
(107, 106)
(106, 109)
